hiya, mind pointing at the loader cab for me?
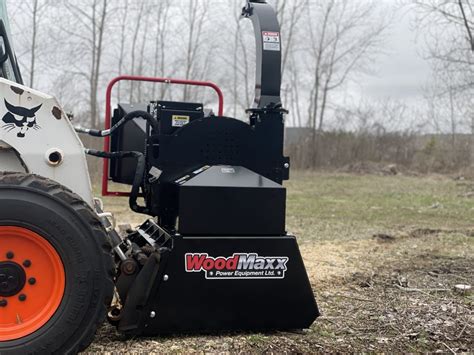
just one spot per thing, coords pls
(9, 68)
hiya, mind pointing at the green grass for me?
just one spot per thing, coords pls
(342, 206)
(335, 216)
(334, 206)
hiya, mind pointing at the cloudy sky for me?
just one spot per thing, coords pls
(399, 74)
(402, 71)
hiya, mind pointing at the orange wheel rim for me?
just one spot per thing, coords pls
(32, 282)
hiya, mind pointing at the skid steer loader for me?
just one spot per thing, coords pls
(213, 254)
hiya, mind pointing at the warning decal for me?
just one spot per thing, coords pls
(271, 41)
(180, 121)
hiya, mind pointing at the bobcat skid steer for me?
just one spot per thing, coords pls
(213, 253)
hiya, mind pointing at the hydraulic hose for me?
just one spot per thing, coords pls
(128, 117)
(139, 175)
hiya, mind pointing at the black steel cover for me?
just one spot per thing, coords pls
(132, 136)
(188, 298)
(231, 200)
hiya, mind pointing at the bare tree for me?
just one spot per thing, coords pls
(448, 28)
(135, 38)
(468, 23)
(144, 40)
(342, 39)
(289, 14)
(159, 58)
(244, 68)
(34, 11)
(344, 44)
(235, 76)
(238, 66)
(195, 20)
(457, 13)
(295, 94)
(92, 19)
(123, 38)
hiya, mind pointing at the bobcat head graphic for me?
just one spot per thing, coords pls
(20, 118)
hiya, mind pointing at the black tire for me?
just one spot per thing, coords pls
(74, 230)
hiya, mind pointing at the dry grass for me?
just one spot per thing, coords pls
(383, 255)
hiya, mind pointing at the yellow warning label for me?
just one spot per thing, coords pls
(180, 121)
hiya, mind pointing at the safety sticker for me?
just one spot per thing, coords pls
(271, 41)
(180, 121)
(237, 266)
(228, 170)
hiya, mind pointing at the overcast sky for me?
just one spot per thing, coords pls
(402, 71)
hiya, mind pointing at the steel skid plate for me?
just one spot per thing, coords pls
(226, 284)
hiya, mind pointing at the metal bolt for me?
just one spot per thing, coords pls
(22, 297)
(286, 165)
(10, 255)
(166, 278)
(27, 263)
(3, 303)
(152, 314)
(32, 281)
(129, 267)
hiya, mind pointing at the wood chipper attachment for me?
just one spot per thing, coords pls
(214, 254)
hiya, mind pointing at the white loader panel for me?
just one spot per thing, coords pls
(34, 127)
(9, 160)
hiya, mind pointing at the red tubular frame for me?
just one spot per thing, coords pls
(108, 115)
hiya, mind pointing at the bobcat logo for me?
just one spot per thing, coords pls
(20, 118)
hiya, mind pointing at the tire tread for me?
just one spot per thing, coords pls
(64, 194)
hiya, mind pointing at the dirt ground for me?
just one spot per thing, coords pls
(384, 255)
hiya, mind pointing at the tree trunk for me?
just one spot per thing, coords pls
(33, 43)
(92, 87)
(134, 48)
(123, 29)
(472, 138)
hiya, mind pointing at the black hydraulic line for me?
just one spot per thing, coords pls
(128, 117)
(139, 175)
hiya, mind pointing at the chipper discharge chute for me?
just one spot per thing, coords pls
(213, 255)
